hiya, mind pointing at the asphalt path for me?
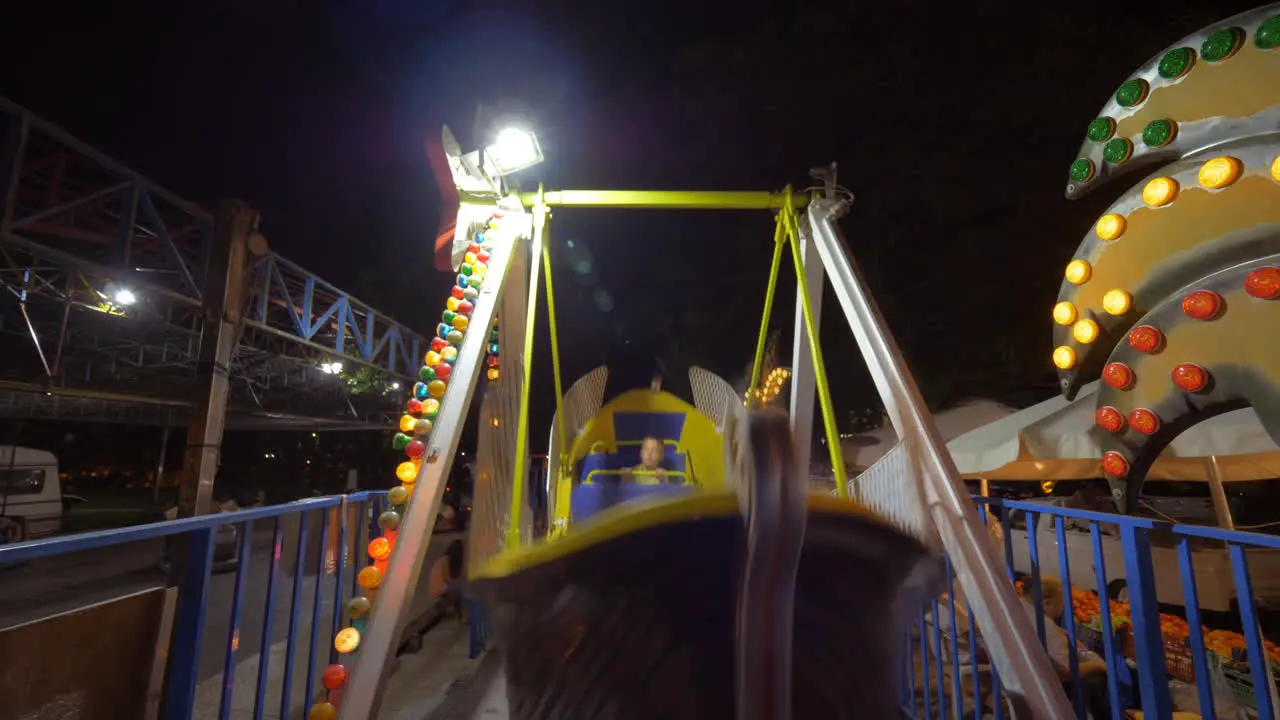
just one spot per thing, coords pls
(57, 585)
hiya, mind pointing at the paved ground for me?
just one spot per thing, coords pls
(62, 584)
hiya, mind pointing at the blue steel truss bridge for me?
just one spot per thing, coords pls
(105, 281)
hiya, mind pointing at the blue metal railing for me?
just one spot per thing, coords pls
(1140, 677)
(351, 518)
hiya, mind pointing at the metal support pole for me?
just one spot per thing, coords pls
(1029, 679)
(661, 199)
(191, 558)
(811, 327)
(164, 448)
(555, 356)
(223, 309)
(374, 660)
(779, 242)
(519, 479)
(1221, 508)
(804, 386)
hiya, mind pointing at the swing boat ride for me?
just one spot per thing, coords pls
(732, 590)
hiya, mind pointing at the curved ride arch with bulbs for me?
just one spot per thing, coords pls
(1173, 297)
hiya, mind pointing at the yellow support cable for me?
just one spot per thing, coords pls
(779, 239)
(819, 368)
(562, 436)
(522, 425)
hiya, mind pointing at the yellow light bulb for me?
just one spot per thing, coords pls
(1064, 358)
(407, 471)
(1064, 313)
(1275, 169)
(407, 422)
(1078, 272)
(1160, 191)
(347, 640)
(1047, 486)
(1117, 302)
(1220, 172)
(1110, 226)
(1085, 331)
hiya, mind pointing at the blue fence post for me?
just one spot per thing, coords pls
(1259, 666)
(184, 650)
(1148, 643)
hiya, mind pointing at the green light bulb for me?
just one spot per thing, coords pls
(1268, 35)
(1176, 63)
(1082, 170)
(1101, 129)
(1159, 133)
(1132, 92)
(1221, 44)
(1117, 150)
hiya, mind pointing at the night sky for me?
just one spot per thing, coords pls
(954, 128)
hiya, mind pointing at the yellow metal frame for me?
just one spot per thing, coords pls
(589, 480)
(786, 232)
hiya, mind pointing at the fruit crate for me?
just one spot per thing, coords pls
(1177, 660)
(1091, 636)
(1238, 679)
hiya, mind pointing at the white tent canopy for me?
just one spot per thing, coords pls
(1058, 440)
(865, 448)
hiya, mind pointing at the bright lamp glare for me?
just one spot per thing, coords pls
(331, 368)
(514, 150)
(125, 296)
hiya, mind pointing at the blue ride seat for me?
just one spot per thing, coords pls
(589, 499)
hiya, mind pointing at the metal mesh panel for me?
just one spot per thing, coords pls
(891, 487)
(491, 497)
(713, 396)
(582, 401)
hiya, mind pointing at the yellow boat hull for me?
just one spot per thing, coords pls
(633, 614)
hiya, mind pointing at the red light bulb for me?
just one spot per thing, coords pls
(415, 449)
(413, 407)
(1144, 421)
(1118, 375)
(1109, 419)
(1202, 305)
(333, 677)
(1114, 464)
(443, 371)
(456, 292)
(465, 308)
(473, 248)
(1263, 283)
(1190, 377)
(1145, 338)
(438, 344)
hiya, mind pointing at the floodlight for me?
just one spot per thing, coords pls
(514, 150)
(125, 296)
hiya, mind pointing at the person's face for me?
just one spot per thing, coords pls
(1053, 607)
(651, 453)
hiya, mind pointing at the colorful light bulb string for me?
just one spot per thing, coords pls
(491, 360)
(415, 429)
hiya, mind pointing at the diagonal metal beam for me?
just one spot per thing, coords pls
(64, 208)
